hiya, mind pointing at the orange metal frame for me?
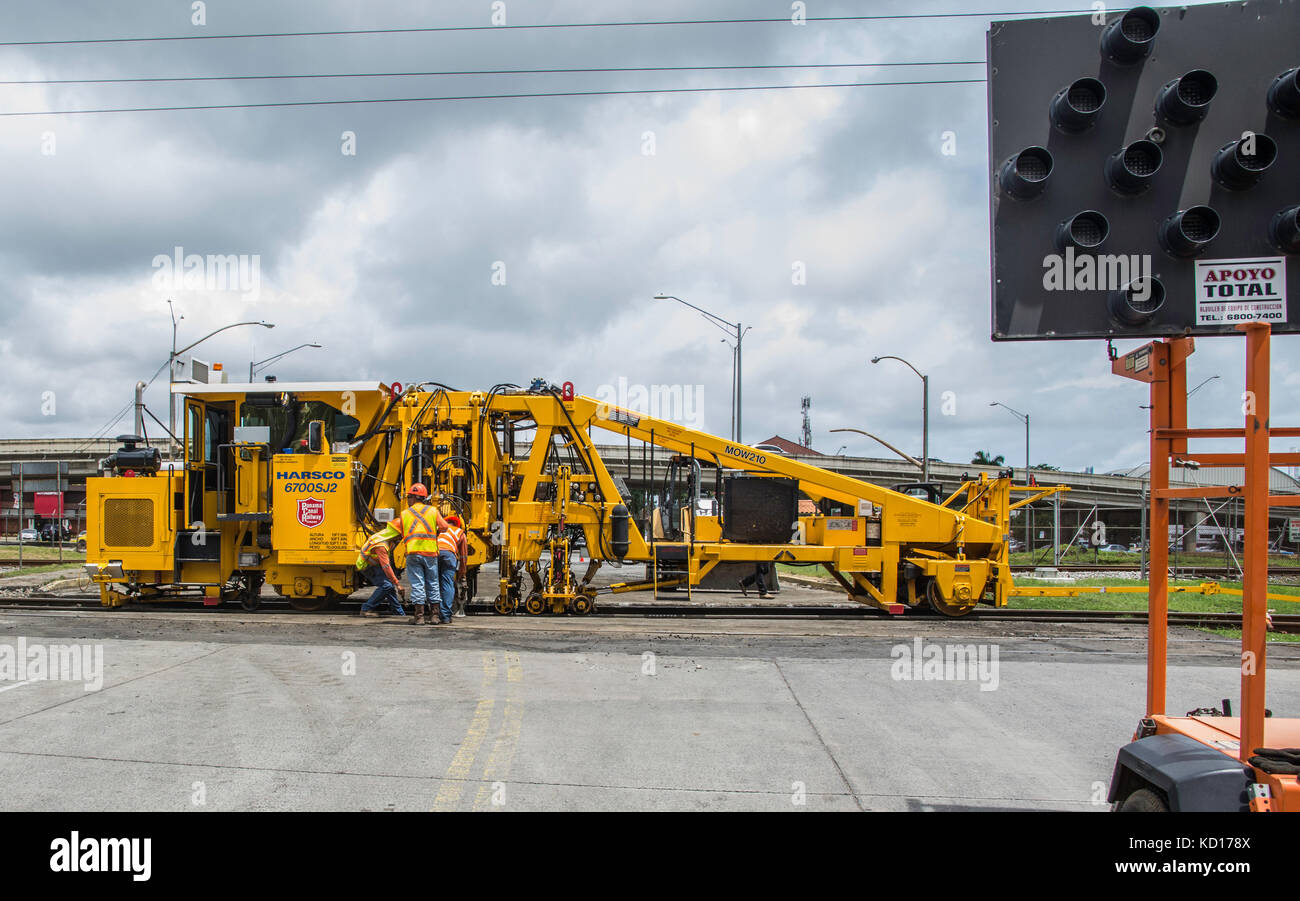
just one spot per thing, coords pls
(1163, 365)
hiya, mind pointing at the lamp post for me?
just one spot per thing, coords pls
(925, 413)
(1023, 417)
(253, 367)
(734, 330)
(171, 361)
(908, 457)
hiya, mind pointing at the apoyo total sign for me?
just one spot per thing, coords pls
(1252, 290)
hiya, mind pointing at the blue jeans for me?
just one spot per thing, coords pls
(385, 591)
(423, 573)
(448, 565)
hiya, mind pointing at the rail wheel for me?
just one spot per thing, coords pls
(310, 604)
(535, 605)
(582, 605)
(505, 606)
(941, 604)
(250, 593)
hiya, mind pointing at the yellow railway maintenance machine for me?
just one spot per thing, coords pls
(281, 482)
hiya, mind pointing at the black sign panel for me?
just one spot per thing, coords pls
(1145, 171)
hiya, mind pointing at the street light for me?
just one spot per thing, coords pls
(171, 360)
(1189, 393)
(1201, 385)
(908, 457)
(1023, 417)
(925, 413)
(253, 367)
(734, 330)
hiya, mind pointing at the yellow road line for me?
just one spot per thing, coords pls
(497, 767)
(461, 765)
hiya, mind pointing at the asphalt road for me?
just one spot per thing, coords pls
(221, 711)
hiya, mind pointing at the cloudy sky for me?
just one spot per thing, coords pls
(481, 241)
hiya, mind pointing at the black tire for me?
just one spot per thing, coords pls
(1144, 800)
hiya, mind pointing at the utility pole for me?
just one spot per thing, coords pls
(804, 404)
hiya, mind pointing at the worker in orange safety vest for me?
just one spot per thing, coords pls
(375, 566)
(418, 527)
(453, 554)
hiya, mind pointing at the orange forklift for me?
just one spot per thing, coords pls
(1210, 760)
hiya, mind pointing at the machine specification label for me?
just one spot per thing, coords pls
(1249, 290)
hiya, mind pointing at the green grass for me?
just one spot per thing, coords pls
(1137, 601)
(1272, 636)
(29, 570)
(9, 553)
(1074, 554)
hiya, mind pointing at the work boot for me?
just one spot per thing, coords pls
(417, 618)
(369, 613)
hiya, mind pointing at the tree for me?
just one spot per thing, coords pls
(1047, 466)
(983, 458)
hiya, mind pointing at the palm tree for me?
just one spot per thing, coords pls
(983, 458)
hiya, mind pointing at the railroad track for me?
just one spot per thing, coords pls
(1287, 623)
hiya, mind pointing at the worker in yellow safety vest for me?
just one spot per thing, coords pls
(375, 566)
(453, 553)
(418, 527)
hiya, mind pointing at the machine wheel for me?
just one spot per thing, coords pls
(535, 606)
(582, 605)
(941, 604)
(505, 606)
(1144, 800)
(312, 604)
(250, 594)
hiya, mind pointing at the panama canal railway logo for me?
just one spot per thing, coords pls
(311, 512)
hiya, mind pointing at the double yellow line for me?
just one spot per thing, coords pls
(492, 792)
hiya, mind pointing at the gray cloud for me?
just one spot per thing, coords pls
(387, 257)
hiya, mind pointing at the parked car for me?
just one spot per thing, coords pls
(29, 535)
(81, 541)
(1114, 549)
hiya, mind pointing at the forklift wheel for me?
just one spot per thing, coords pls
(1144, 800)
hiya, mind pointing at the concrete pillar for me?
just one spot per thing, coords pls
(1189, 518)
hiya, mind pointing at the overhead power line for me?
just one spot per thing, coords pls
(462, 28)
(184, 78)
(304, 103)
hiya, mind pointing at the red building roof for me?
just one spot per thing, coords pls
(789, 447)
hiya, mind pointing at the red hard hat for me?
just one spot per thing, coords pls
(453, 519)
(417, 490)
